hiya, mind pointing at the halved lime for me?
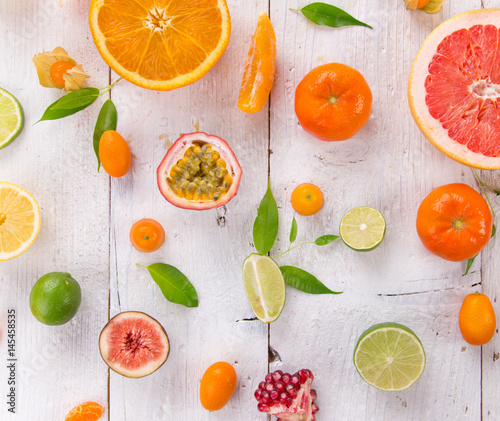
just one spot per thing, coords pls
(389, 356)
(11, 118)
(362, 228)
(264, 286)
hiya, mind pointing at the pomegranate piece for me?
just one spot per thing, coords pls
(288, 396)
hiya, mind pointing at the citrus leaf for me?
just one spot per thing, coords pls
(265, 227)
(174, 285)
(326, 14)
(55, 111)
(304, 281)
(293, 230)
(105, 121)
(325, 239)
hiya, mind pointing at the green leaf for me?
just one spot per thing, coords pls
(265, 227)
(326, 14)
(70, 104)
(304, 281)
(105, 121)
(325, 239)
(293, 230)
(174, 285)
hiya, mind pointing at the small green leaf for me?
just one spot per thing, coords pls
(105, 121)
(265, 227)
(304, 281)
(293, 230)
(174, 285)
(326, 14)
(493, 231)
(325, 239)
(78, 101)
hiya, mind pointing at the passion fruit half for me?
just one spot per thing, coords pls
(134, 344)
(199, 172)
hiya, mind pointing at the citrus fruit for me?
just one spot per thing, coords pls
(258, 75)
(160, 44)
(264, 286)
(199, 171)
(55, 298)
(454, 88)
(476, 319)
(11, 118)
(134, 344)
(389, 356)
(362, 228)
(19, 220)
(147, 235)
(88, 411)
(333, 102)
(454, 222)
(114, 154)
(217, 386)
(307, 199)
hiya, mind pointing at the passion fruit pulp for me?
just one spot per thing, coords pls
(199, 171)
(134, 344)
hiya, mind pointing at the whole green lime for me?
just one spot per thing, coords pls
(55, 298)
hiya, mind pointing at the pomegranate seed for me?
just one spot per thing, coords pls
(257, 394)
(262, 385)
(291, 390)
(295, 380)
(314, 395)
(268, 378)
(315, 408)
(263, 408)
(274, 394)
(279, 386)
(269, 386)
(304, 375)
(285, 378)
(265, 398)
(277, 375)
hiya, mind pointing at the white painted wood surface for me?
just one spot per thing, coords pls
(86, 219)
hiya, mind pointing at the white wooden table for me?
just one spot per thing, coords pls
(86, 218)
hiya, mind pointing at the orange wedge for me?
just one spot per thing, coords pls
(258, 76)
(88, 411)
(160, 44)
(19, 220)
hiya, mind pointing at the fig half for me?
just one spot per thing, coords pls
(199, 172)
(134, 344)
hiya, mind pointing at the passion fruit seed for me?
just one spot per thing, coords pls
(200, 174)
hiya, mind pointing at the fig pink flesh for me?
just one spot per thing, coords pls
(134, 343)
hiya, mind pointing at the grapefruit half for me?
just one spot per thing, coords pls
(454, 88)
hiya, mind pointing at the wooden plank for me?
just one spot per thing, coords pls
(387, 165)
(209, 246)
(57, 367)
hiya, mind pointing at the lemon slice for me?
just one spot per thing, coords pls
(19, 220)
(389, 356)
(11, 118)
(362, 228)
(264, 286)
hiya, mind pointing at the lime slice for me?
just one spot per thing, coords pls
(389, 356)
(362, 228)
(11, 118)
(264, 286)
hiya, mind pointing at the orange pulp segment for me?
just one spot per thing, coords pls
(160, 44)
(88, 411)
(258, 75)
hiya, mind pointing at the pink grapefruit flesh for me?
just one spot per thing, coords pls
(454, 88)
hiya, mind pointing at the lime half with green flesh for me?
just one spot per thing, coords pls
(389, 356)
(264, 286)
(362, 228)
(11, 118)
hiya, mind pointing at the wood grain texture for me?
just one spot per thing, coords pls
(86, 218)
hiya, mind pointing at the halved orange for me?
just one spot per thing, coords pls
(258, 75)
(19, 220)
(160, 44)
